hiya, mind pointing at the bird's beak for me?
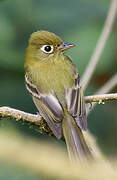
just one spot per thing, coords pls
(65, 46)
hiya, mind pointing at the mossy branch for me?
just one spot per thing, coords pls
(7, 112)
(101, 98)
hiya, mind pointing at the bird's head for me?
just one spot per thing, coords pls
(44, 44)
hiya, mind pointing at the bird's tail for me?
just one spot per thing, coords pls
(76, 145)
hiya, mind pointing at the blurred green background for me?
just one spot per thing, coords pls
(74, 21)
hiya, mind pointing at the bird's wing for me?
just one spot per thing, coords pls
(76, 104)
(49, 107)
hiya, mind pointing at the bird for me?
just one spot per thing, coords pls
(54, 84)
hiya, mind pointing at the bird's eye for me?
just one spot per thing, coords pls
(47, 48)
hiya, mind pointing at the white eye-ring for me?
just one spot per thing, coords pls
(47, 48)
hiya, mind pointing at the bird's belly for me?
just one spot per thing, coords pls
(55, 79)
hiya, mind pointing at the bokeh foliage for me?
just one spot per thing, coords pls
(79, 22)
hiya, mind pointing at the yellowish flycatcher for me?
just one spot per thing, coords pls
(52, 80)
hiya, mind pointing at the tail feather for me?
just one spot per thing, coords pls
(76, 145)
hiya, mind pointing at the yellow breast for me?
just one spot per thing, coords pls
(54, 75)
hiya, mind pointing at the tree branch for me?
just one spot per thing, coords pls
(100, 98)
(7, 112)
(100, 44)
(18, 115)
(105, 89)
